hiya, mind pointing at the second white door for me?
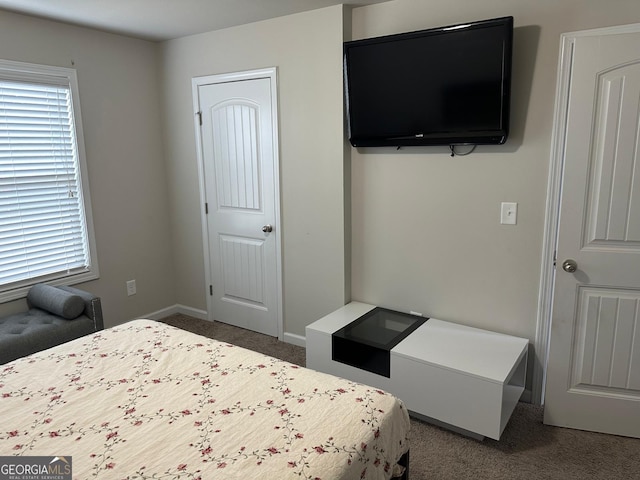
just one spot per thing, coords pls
(593, 374)
(239, 164)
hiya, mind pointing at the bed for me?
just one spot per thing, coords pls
(147, 400)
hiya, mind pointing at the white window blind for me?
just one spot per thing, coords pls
(43, 228)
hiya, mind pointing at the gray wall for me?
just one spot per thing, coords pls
(425, 226)
(306, 48)
(119, 97)
(426, 231)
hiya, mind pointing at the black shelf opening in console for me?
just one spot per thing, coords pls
(366, 342)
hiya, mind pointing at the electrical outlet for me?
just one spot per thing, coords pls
(131, 287)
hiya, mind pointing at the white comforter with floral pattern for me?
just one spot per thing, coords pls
(146, 400)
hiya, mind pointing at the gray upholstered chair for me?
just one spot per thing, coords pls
(56, 315)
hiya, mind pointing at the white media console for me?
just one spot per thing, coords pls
(463, 378)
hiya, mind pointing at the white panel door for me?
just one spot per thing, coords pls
(593, 374)
(240, 176)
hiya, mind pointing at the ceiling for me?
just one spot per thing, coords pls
(159, 20)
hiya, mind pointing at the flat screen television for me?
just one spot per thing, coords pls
(442, 86)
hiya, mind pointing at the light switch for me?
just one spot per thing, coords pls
(508, 213)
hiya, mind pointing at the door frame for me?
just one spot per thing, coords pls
(272, 74)
(554, 197)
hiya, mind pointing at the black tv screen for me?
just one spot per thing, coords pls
(442, 86)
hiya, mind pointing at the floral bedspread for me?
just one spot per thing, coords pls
(146, 400)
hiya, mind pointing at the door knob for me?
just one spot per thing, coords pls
(570, 265)
(267, 229)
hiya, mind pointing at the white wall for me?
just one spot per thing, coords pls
(119, 98)
(426, 232)
(306, 48)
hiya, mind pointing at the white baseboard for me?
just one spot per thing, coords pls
(291, 338)
(294, 339)
(165, 312)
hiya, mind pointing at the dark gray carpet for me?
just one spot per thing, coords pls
(528, 450)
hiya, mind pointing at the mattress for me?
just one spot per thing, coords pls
(147, 400)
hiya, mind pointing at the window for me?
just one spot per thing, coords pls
(46, 232)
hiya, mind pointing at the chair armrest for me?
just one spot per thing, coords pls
(92, 305)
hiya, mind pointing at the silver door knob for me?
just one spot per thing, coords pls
(570, 265)
(267, 229)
